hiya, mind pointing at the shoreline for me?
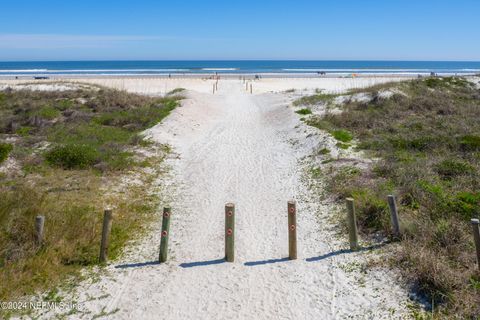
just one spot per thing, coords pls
(230, 76)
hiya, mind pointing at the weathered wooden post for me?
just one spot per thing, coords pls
(251, 88)
(106, 229)
(165, 234)
(230, 232)
(246, 86)
(213, 90)
(292, 230)
(394, 215)
(352, 224)
(39, 223)
(476, 238)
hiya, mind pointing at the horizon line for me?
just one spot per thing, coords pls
(209, 60)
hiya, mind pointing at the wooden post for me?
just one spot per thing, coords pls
(107, 227)
(230, 232)
(352, 224)
(216, 85)
(476, 238)
(292, 230)
(213, 90)
(251, 88)
(165, 234)
(246, 86)
(394, 215)
(39, 223)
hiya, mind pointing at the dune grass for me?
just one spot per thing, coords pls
(304, 111)
(428, 143)
(314, 99)
(71, 148)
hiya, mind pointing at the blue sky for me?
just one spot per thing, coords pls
(243, 29)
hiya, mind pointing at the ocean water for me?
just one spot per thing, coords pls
(50, 68)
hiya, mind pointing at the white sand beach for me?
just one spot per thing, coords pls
(249, 149)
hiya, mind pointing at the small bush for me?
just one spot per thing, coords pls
(372, 211)
(448, 169)
(470, 143)
(342, 135)
(64, 104)
(324, 151)
(304, 111)
(72, 156)
(5, 149)
(24, 131)
(48, 112)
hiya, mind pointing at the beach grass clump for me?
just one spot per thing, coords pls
(175, 91)
(318, 98)
(342, 135)
(69, 148)
(5, 149)
(427, 141)
(304, 111)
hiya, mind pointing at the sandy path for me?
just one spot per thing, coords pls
(238, 147)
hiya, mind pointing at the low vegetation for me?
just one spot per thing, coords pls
(176, 91)
(314, 99)
(5, 149)
(70, 148)
(427, 140)
(304, 111)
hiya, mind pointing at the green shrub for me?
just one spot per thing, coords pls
(5, 149)
(372, 211)
(72, 156)
(24, 131)
(421, 143)
(304, 111)
(48, 112)
(64, 104)
(342, 135)
(467, 204)
(448, 169)
(324, 151)
(470, 143)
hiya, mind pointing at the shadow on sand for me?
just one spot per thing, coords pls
(137, 265)
(262, 262)
(344, 251)
(202, 263)
(251, 263)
